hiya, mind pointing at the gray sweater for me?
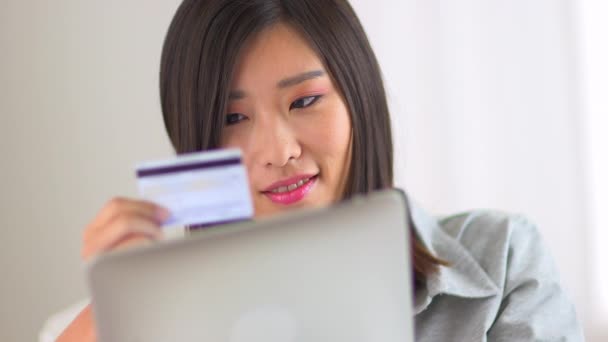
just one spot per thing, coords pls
(501, 284)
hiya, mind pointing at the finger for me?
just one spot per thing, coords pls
(123, 225)
(130, 241)
(101, 238)
(120, 205)
(123, 206)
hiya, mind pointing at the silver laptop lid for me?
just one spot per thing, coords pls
(336, 274)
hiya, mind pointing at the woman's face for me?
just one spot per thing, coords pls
(291, 123)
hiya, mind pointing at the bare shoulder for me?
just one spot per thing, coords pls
(58, 322)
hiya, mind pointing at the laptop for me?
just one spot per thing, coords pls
(341, 273)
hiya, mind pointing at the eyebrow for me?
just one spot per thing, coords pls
(291, 81)
(284, 83)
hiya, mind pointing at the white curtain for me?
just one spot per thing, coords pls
(594, 48)
(488, 113)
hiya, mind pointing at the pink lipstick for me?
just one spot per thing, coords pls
(291, 190)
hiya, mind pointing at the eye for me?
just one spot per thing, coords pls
(234, 118)
(304, 102)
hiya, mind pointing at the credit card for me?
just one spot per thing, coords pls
(199, 189)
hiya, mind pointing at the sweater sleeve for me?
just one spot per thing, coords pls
(534, 306)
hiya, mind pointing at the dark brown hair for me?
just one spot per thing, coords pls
(198, 61)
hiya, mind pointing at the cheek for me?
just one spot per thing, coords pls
(328, 141)
(231, 138)
(238, 139)
(327, 135)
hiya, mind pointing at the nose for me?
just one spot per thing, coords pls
(275, 142)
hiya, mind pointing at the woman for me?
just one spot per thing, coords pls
(295, 85)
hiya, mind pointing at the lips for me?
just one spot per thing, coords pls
(291, 190)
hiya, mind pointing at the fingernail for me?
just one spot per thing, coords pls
(162, 214)
(159, 235)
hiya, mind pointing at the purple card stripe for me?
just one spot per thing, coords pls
(195, 227)
(157, 171)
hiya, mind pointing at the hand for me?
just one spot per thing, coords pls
(120, 223)
(123, 222)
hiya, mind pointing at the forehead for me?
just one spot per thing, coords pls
(275, 53)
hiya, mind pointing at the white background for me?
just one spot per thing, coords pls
(495, 103)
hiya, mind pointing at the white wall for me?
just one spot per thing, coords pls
(483, 94)
(79, 106)
(486, 101)
(593, 27)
